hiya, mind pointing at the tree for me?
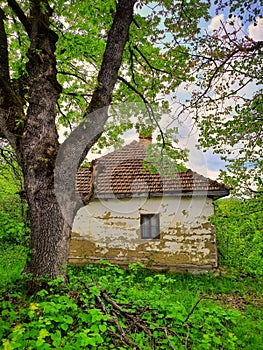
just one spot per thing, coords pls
(228, 102)
(83, 44)
(32, 131)
(239, 234)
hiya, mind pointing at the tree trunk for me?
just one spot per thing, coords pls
(36, 141)
(50, 233)
(37, 150)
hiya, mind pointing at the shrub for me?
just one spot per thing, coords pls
(239, 225)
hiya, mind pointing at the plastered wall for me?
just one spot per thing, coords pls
(110, 229)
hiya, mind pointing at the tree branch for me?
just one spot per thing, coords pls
(87, 133)
(202, 297)
(217, 69)
(11, 104)
(147, 105)
(73, 75)
(4, 64)
(112, 57)
(148, 62)
(132, 65)
(77, 94)
(64, 116)
(9, 158)
(21, 15)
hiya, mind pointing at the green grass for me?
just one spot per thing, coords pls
(12, 262)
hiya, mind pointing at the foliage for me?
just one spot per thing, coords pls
(13, 221)
(9, 168)
(13, 217)
(227, 101)
(155, 60)
(107, 307)
(239, 226)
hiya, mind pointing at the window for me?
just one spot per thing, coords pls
(150, 226)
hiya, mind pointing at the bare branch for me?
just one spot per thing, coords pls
(202, 297)
(213, 76)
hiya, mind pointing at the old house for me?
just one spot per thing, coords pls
(135, 215)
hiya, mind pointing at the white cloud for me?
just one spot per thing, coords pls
(234, 24)
(216, 22)
(255, 32)
(231, 27)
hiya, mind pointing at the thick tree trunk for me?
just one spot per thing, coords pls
(50, 235)
(37, 150)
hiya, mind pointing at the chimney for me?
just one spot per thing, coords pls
(145, 137)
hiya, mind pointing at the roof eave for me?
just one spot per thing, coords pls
(215, 194)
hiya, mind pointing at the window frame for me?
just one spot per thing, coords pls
(150, 226)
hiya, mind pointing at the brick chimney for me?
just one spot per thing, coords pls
(145, 138)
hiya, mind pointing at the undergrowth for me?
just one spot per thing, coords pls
(106, 307)
(12, 262)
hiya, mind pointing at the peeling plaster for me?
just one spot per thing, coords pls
(187, 237)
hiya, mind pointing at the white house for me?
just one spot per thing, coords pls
(135, 215)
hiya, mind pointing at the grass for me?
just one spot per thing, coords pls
(12, 262)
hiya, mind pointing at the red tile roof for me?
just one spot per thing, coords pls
(123, 174)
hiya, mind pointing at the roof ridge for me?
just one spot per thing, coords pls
(119, 150)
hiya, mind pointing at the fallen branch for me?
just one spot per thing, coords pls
(202, 297)
(122, 336)
(135, 320)
(128, 321)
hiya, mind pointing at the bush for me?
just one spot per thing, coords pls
(239, 225)
(13, 214)
(12, 262)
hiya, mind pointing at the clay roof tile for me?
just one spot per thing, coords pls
(123, 173)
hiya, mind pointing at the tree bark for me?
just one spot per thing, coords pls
(37, 149)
